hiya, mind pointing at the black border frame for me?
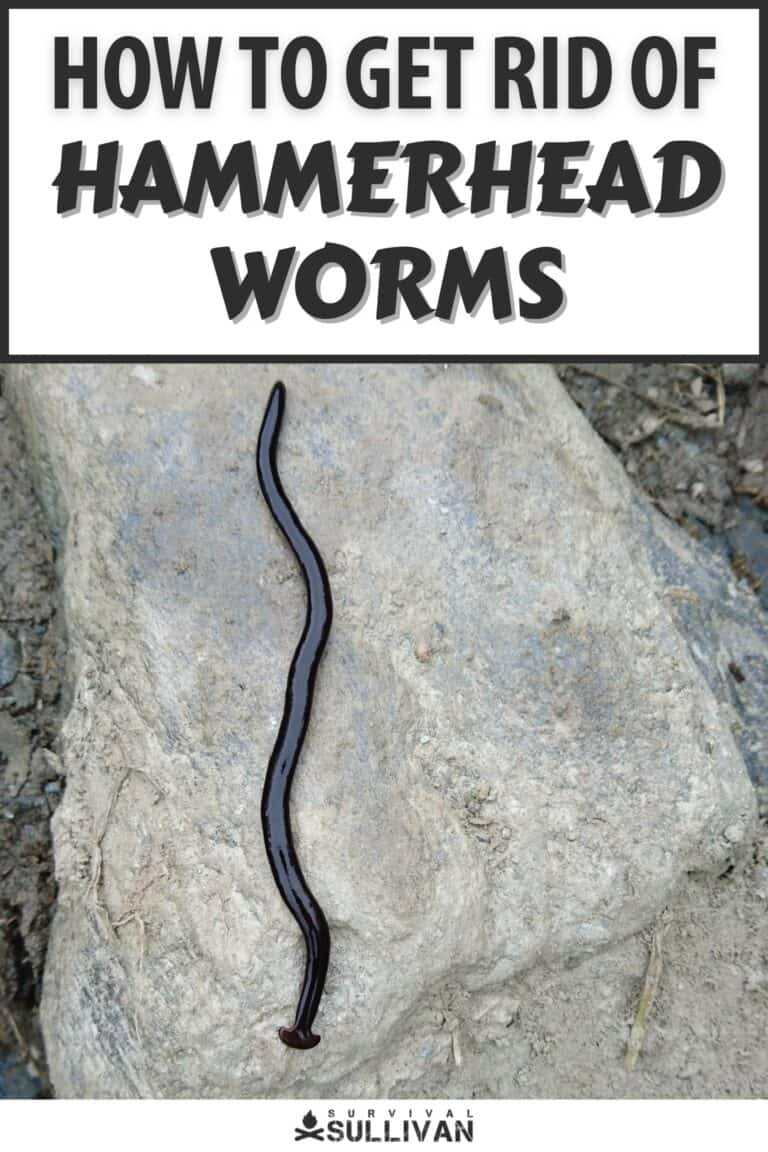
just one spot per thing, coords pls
(117, 358)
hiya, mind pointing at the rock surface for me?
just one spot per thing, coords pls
(727, 633)
(9, 659)
(514, 757)
(31, 645)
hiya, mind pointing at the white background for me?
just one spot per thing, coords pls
(499, 1125)
(145, 285)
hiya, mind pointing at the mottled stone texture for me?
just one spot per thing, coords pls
(513, 757)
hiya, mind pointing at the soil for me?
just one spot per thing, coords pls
(695, 438)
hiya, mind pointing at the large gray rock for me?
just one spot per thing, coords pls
(513, 757)
(726, 630)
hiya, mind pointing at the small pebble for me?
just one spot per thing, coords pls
(754, 466)
(23, 697)
(423, 651)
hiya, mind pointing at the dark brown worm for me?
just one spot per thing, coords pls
(275, 814)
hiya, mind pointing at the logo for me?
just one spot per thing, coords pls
(309, 1128)
(388, 1126)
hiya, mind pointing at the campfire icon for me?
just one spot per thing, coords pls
(309, 1129)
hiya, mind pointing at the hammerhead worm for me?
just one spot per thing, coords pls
(275, 814)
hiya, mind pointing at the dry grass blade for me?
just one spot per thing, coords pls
(10, 1020)
(647, 998)
(720, 384)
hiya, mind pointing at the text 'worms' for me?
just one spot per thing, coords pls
(275, 814)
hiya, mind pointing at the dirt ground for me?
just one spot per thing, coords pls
(695, 438)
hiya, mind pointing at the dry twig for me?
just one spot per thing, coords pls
(647, 998)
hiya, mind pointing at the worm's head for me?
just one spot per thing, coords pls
(298, 1037)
